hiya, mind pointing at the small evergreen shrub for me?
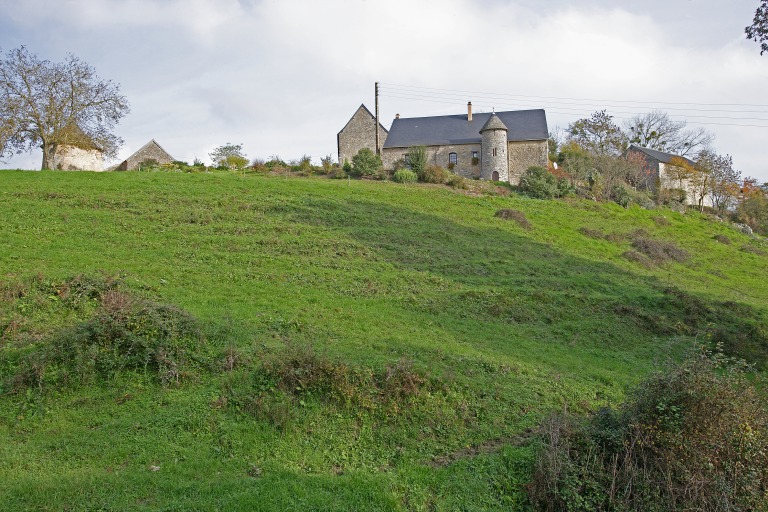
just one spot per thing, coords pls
(537, 182)
(405, 176)
(365, 163)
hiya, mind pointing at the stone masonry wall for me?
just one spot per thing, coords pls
(359, 133)
(150, 151)
(490, 163)
(523, 155)
(438, 155)
(667, 179)
(70, 158)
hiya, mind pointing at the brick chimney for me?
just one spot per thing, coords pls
(469, 111)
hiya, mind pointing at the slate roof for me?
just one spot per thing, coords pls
(494, 123)
(662, 157)
(521, 125)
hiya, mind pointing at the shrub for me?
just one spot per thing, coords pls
(661, 221)
(457, 181)
(754, 250)
(660, 251)
(123, 333)
(516, 215)
(365, 163)
(405, 176)
(672, 196)
(417, 160)
(434, 174)
(539, 183)
(723, 239)
(692, 437)
(339, 173)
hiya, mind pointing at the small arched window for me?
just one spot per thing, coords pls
(453, 158)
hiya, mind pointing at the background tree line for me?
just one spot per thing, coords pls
(592, 154)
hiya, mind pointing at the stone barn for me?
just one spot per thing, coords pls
(359, 133)
(151, 151)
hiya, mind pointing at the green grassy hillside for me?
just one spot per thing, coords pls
(348, 345)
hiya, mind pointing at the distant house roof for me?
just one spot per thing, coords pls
(662, 157)
(149, 151)
(521, 125)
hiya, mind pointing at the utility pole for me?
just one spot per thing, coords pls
(377, 118)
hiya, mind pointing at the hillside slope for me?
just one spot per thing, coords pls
(362, 345)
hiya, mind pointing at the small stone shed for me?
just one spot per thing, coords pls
(149, 151)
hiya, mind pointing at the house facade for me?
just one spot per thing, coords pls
(491, 146)
(664, 170)
(359, 133)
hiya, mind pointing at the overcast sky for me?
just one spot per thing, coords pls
(282, 77)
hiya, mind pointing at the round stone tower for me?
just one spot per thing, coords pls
(495, 163)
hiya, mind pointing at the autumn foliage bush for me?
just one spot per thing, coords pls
(692, 437)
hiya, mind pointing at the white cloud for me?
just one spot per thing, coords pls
(283, 76)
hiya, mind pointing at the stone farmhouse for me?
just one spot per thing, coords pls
(662, 173)
(491, 146)
(151, 151)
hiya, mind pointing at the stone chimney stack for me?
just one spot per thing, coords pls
(397, 116)
(469, 111)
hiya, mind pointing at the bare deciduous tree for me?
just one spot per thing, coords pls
(655, 130)
(47, 104)
(598, 134)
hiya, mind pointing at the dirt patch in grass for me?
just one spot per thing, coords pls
(723, 239)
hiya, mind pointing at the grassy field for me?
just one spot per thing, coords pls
(354, 345)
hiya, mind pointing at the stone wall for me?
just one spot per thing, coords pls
(70, 158)
(360, 132)
(523, 155)
(493, 157)
(439, 155)
(150, 151)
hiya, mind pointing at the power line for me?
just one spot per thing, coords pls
(490, 94)
(579, 109)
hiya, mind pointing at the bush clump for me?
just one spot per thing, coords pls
(117, 332)
(660, 251)
(434, 174)
(404, 176)
(516, 215)
(692, 437)
(723, 239)
(539, 183)
(457, 181)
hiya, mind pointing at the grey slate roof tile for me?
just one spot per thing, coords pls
(522, 125)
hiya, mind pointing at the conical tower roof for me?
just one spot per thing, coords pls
(494, 123)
